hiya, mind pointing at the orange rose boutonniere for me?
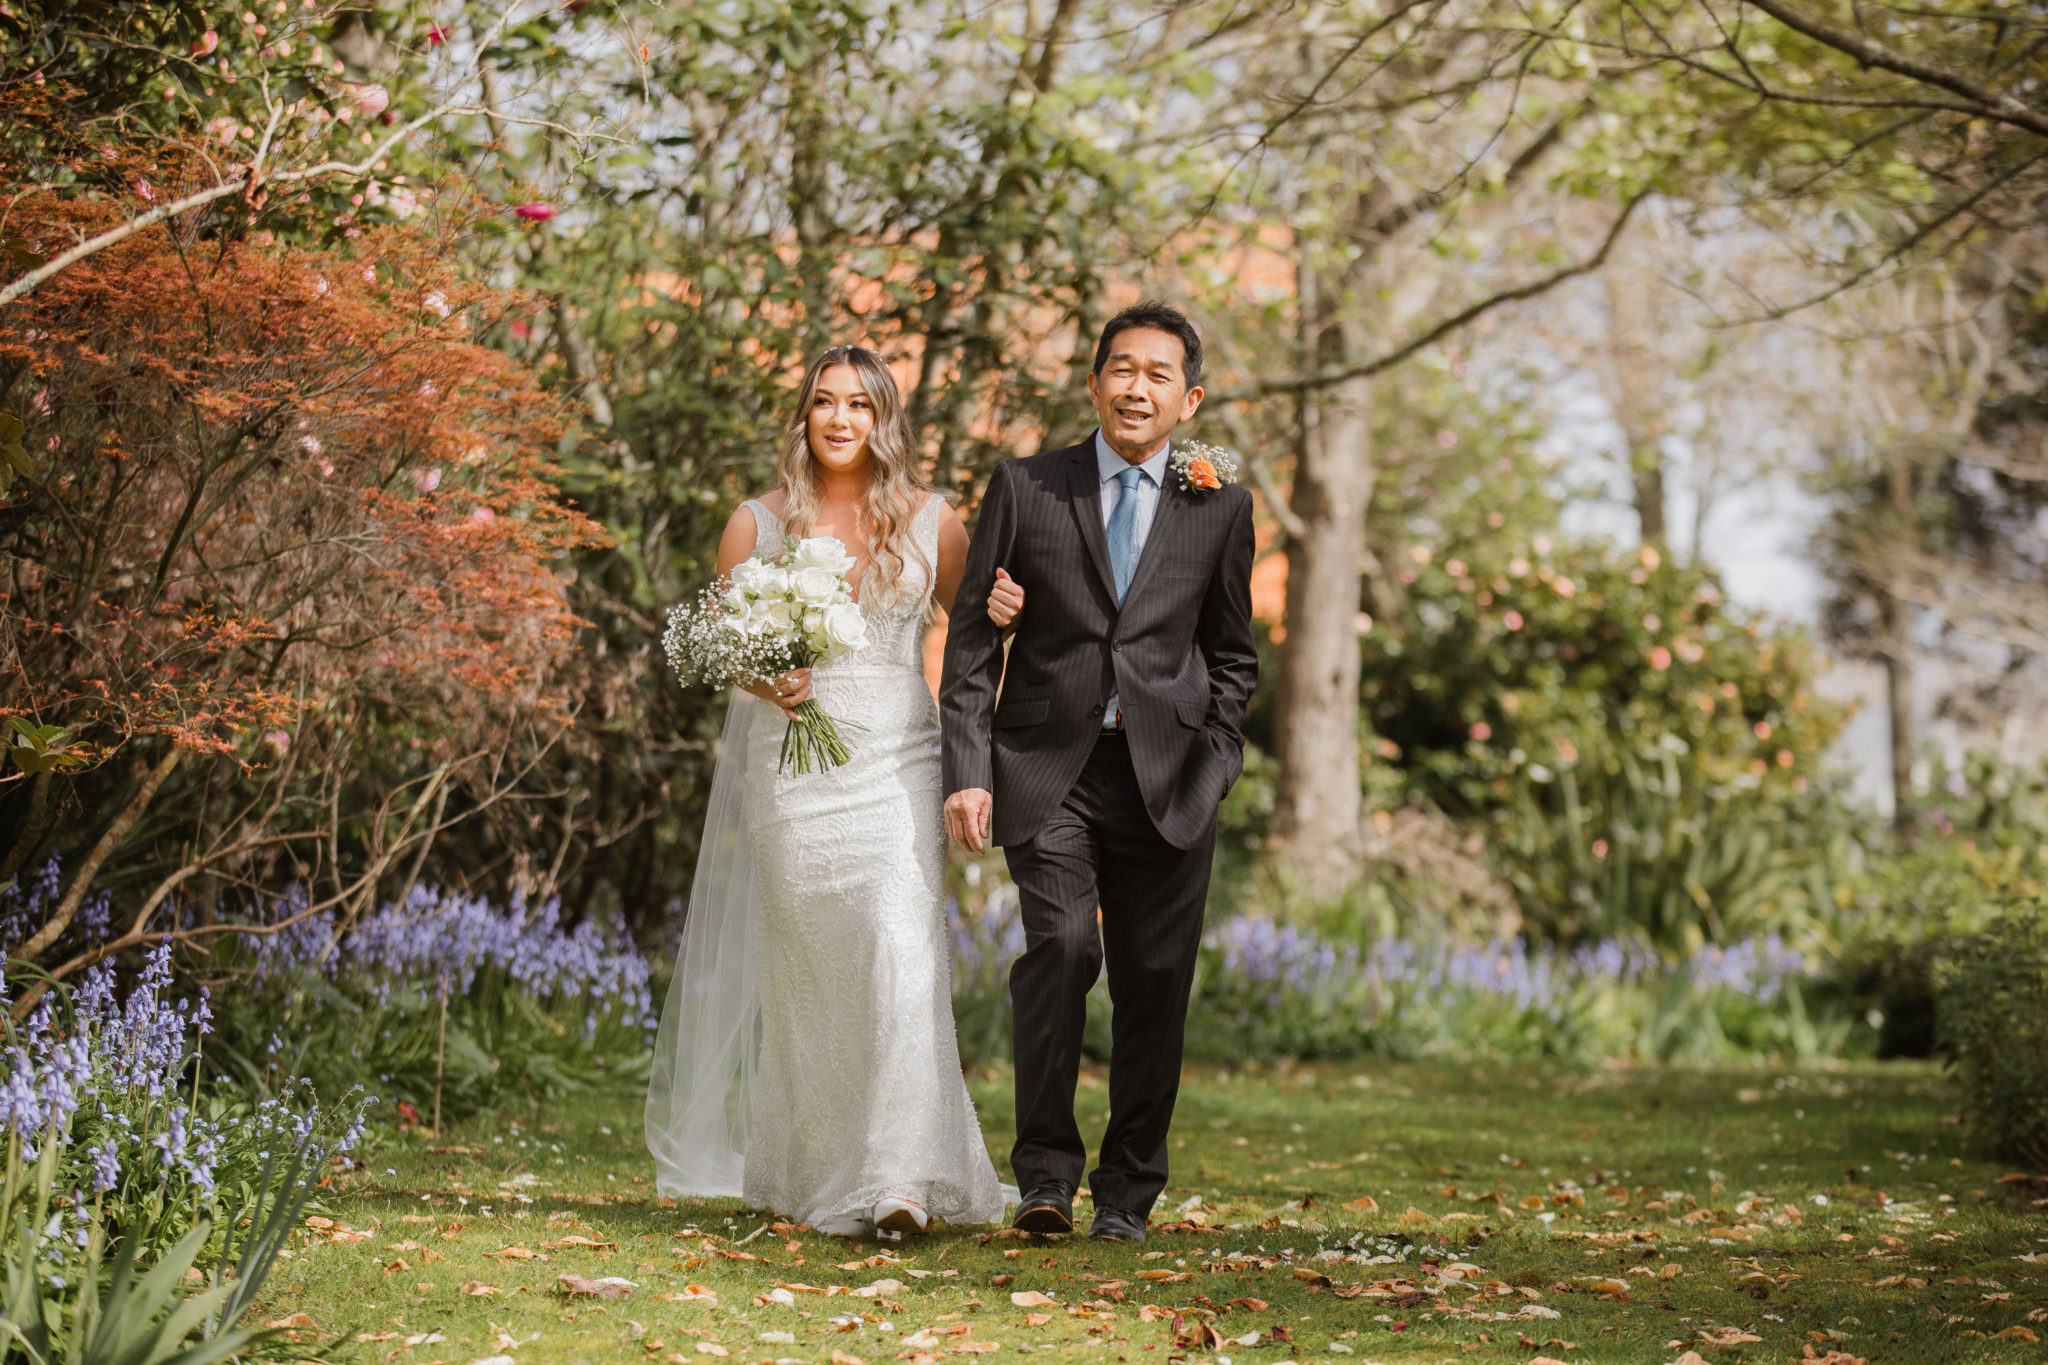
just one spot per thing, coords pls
(1203, 468)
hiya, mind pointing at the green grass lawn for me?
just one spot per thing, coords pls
(1514, 1214)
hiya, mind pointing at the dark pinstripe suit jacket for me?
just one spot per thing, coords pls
(1180, 651)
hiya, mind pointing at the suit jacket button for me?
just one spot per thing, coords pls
(1116, 644)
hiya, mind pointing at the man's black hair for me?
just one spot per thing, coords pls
(1161, 317)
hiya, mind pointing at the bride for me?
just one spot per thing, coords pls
(806, 1059)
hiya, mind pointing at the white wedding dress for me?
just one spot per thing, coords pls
(807, 1059)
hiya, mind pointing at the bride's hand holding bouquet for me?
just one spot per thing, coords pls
(763, 627)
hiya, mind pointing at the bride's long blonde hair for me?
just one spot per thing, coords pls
(897, 487)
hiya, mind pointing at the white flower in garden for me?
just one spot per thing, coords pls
(814, 586)
(822, 552)
(845, 626)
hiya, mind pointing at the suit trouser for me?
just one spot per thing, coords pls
(1100, 848)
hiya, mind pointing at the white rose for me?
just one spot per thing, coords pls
(814, 620)
(845, 627)
(822, 552)
(747, 574)
(770, 617)
(735, 600)
(814, 586)
(770, 580)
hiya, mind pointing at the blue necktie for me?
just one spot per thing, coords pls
(1123, 561)
(1123, 526)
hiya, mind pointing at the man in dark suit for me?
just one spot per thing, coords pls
(1098, 756)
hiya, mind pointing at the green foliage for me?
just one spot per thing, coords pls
(94, 1308)
(1898, 908)
(1638, 751)
(40, 748)
(502, 1045)
(1994, 1028)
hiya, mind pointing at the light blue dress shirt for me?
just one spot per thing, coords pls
(1109, 464)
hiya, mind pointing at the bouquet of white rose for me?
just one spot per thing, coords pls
(765, 618)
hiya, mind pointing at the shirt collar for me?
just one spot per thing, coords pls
(1109, 464)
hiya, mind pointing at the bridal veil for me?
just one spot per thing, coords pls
(704, 1055)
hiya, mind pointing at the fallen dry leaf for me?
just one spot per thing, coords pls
(1163, 1276)
(589, 1242)
(711, 1348)
(517, 1254)
(1031, 1298)
(1690, 1358)
(1726, 1336)
(477, 1289)
(975, 1348)
(1899, 1281)
(295, 1320)
(1365, 1203)
(842, 1358)
(1041, 1319)
(1831, 1357)
(2017, 1333)
(610, 1287)
(1249, 1305)
(1412, 1217)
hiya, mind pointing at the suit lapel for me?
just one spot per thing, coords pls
(1173, 505)
(1087, 507)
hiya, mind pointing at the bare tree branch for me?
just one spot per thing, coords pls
(1322, 379)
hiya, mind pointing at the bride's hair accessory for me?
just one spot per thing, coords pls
(1203, 468)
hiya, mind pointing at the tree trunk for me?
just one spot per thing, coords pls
(1898, 687)
(1317, 804)
(1646, 464)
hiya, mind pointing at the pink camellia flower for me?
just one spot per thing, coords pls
(205, 43)
(538, 211)
(1762, 729)
(427, 480)
(278, 740)
(1660, 658)
(1600, 849)
(436, 35)
(1513, 620)
(143, 190)
(1482, 732)
(484, 515)
(371, 100)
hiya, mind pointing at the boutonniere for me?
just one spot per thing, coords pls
(1203, 468)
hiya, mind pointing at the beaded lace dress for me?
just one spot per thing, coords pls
(855, 1091)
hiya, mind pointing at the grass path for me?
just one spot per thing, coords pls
(1340, 1214)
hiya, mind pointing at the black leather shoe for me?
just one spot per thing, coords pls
(1117, 1225)
(1047, 1210)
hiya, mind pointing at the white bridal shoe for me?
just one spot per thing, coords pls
(843, 1227)
(898, 1216)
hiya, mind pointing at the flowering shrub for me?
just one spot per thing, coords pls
(1641, 755)
(1277, 989)
(108, 1081)
(530, 1005)
(109, 1138)
(1267, 989)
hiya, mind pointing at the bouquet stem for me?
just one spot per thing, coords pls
(812, 743)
